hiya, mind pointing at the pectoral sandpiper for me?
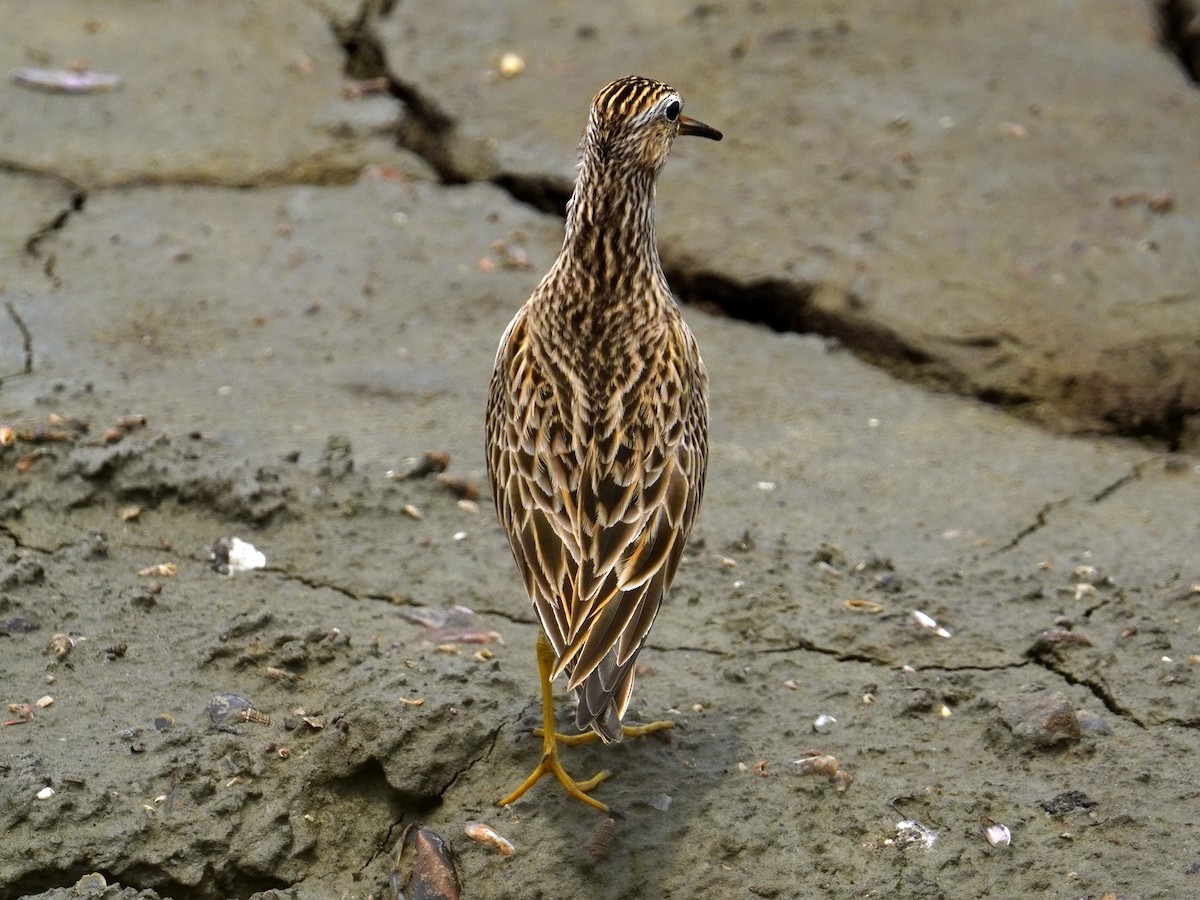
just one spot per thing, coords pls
(597, 426)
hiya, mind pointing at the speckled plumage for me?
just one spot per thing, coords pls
(597, 419)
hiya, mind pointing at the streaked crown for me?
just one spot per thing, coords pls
(632, 99)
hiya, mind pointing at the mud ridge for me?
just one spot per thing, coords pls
(234, 883)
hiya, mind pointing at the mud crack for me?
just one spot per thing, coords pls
(1038, 524)
(427, 129)
(968, 667)
(26, 339)
(686, 648)
(1179, 33)
(77, 202)
(1133, 474)
(484, 753)
(317, 584)
(507, 616)
(385, 846)
(1098, 688)
(839, 655)
(792, 308)
(77, 199)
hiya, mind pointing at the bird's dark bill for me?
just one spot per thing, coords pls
(698, 129)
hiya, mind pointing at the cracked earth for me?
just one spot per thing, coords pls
(947, 296)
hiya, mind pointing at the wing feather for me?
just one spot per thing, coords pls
(598, 496)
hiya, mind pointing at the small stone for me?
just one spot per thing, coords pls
(1040, 719)
(913, 701)
(1066, 802)
(1089, 721)
(90, 884)
(511, 65)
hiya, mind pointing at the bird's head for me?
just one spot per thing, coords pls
(633, 123)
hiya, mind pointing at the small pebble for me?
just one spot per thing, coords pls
(1040, 719)
(661, 802)
(511, 65)
(45, 793)
(90, 884)
(1091, 722)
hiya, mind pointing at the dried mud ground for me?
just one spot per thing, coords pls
(206, 337)
(840, 501)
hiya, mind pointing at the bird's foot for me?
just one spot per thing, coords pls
(586, 737)
(550, 765)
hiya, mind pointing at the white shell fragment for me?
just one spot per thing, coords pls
(232, 555)
(490, 837)
(822, 722)
(66, 81)
(243, 556)
(997, 835)
(45, 793)
(910, 831)
(929, 623)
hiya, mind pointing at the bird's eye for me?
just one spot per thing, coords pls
(672, 111)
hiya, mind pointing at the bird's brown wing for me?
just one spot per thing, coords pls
(597, 520)
(530, 465)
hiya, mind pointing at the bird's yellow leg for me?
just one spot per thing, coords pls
(549, 764)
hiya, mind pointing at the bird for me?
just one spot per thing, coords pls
(597, 427)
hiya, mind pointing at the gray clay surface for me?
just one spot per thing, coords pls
(985, 221)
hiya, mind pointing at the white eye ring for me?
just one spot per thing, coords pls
(672, 111)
